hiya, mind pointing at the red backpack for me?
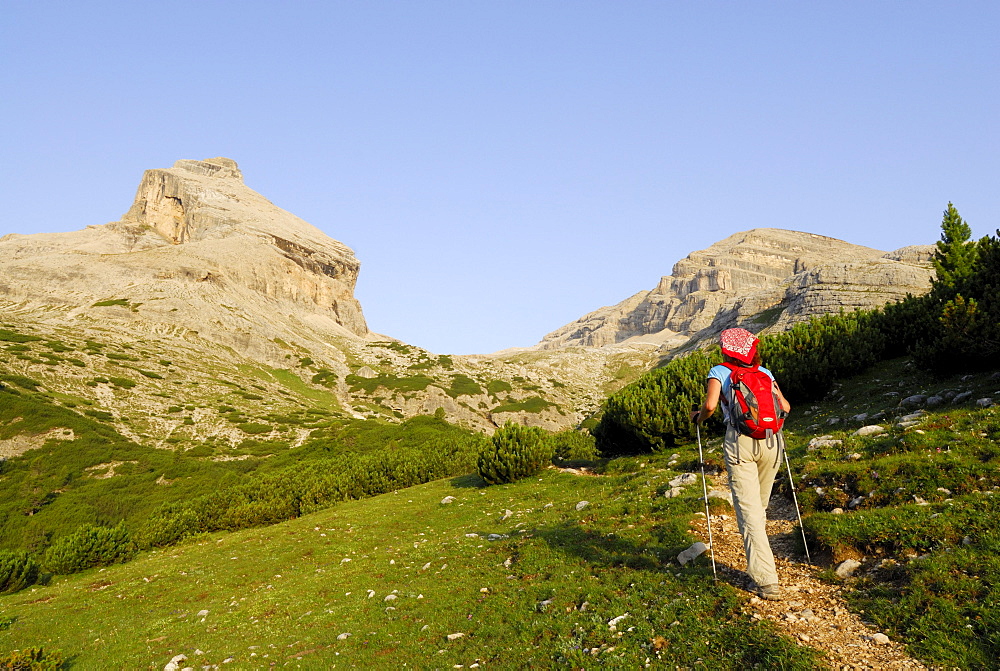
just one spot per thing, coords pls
(754, 407)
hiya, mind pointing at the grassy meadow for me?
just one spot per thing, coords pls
(401, 572)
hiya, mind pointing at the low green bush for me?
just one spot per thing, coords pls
(89, 546)
(308, 485)
(463, 385)
(495, 387)
(17, 571)
(530, 404)
(574, 445)
(325, 377)
(514, 452)
(32, 659)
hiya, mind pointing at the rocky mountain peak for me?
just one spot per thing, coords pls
(764, 277)
(195, 240)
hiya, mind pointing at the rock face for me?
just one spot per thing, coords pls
(215, 309)
(759, 279)
(195, 238)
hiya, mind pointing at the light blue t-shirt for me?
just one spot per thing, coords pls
(723, 374)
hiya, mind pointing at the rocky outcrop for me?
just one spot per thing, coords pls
(760, 278)
(197, 251)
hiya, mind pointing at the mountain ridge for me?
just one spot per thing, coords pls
(736, 279)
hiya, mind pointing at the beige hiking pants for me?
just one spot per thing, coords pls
(752, 465)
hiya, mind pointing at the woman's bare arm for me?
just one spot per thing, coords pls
(711, 401)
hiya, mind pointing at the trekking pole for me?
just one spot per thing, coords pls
(798, 513)
(708, 515)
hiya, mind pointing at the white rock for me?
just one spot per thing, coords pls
(984, 402)
(582, 504)
(426, 566)
(870, 430)
(684, 480)
(914, 401)
(854, 456)
(371, 593)
(847, 568)
(390, 597)
(823, 441)
(837, 511)
(684, 556)
(472, 535)
(201, 613)
(495, 537)
(344, 636)
(855, 502)
(673, 492)
(455, 636)
(448, 499)
(506, 515)
(879, 638)
(723, 494)
(613, 622)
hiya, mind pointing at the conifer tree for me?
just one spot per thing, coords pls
(956, 254)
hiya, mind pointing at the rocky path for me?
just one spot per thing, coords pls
(813, 612)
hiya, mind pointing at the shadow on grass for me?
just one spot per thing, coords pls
(471, 481)
(611, 551)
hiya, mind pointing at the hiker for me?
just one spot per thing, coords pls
(751, 463)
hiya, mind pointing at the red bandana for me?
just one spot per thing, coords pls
(739, 344)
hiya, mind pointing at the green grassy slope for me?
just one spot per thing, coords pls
(919, 502)
(541, 594)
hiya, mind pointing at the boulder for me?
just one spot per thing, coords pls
(847, 568)
(823, 441)
(870, 430)
(915, 401)
(684, 556)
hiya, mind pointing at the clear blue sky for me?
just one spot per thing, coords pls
(501, 168)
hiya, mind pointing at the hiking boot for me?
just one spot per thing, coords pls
(769, 592)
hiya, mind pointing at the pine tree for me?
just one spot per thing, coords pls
(956, 255)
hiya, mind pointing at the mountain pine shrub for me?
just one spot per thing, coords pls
(17, 571)
(514, 452)
(90, 546)
(572, 445)
(654, 412)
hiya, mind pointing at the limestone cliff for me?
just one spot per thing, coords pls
(759, 278)
(198, 251)
(206, 296)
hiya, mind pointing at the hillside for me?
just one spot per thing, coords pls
(549, 586)
(204, 286)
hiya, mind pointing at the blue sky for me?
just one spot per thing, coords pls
(501, 168)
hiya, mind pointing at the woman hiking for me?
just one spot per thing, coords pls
(751, 463)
